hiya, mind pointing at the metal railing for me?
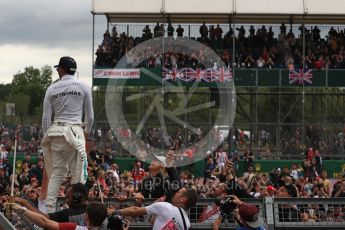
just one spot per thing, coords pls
(279, 213)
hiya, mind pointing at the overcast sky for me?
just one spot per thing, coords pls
(37, 33)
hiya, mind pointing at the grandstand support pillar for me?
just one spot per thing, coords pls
(269, 212)
(279, 113)
(256, 137)
(303, 93)
(326, 100)
(233, 49)
(93, 46)
(251, 115)
(188, 31)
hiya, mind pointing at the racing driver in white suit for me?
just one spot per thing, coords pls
(64, 138)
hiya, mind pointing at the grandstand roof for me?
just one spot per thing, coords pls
(221, 11)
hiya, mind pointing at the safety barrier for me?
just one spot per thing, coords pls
(279, 213)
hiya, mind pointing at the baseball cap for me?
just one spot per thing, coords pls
(67, 63)
(250, 214)
(161, 159)
(271, 188)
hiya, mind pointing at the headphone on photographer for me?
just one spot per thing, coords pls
(79, 192)
(76, 198)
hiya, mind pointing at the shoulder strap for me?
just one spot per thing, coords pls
(184, 221)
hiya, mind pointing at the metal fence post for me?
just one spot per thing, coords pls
(5, 223)
(268, 205)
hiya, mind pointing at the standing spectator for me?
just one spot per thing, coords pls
(249, 176)
(37, 171)
(155, 186)
(3, 153)
(168, 215)
(138, 173)
(203, 31)
(209, 168)
(115, 171)
(212, 32)
(339, 189)
(248, 158)
(179, 31)
(218, 32)
(170, 30)
(157, 30)
(27, 159)
(325, 182)
(222, 158)
(141, 153)
(308, 169)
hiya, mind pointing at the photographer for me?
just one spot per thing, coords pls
(235, 186)
(246, 215)
(95, 215)
(168, 215)
(76, 199)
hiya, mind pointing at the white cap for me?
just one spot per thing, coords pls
(162, 159)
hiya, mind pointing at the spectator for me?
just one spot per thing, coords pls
(179, 31)
(96, 213)
(170, 30)
(172, 215)
(203, 31)
(76, 198)
(138, 173)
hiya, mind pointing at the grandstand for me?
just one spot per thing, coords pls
(311, 104)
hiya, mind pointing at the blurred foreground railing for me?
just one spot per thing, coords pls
(279, 213)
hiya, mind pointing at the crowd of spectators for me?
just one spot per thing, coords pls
(258, 48)
(307, 178)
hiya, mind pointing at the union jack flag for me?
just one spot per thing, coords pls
(221, 74)
(172, 74)
(300, 77)
(199, 74)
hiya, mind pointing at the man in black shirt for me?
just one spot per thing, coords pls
(157, 186)
(76, 198)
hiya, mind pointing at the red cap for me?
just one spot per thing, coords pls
(271, 188)
(250, 214)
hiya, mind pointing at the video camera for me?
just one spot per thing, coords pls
(226, 205)
(116, 222)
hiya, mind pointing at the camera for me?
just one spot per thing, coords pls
(226, 205)
(116, 222)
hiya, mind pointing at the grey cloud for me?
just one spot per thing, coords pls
(48, 23)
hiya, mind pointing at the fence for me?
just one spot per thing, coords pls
(280, 213)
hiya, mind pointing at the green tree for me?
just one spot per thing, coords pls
(5, 90)
(33, 83)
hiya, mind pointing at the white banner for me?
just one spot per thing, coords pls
(10, 109)
(117, 73)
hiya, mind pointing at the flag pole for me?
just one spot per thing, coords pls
(8, 210)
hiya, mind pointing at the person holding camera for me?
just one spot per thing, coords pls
(157, 186)
(95, 215)
(246, 215)
(167, 215)
(76, 199)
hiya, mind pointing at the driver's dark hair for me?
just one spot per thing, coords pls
(79, 190)
(192, 198)
(96, 212)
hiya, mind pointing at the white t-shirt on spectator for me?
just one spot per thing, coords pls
(168, 217)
